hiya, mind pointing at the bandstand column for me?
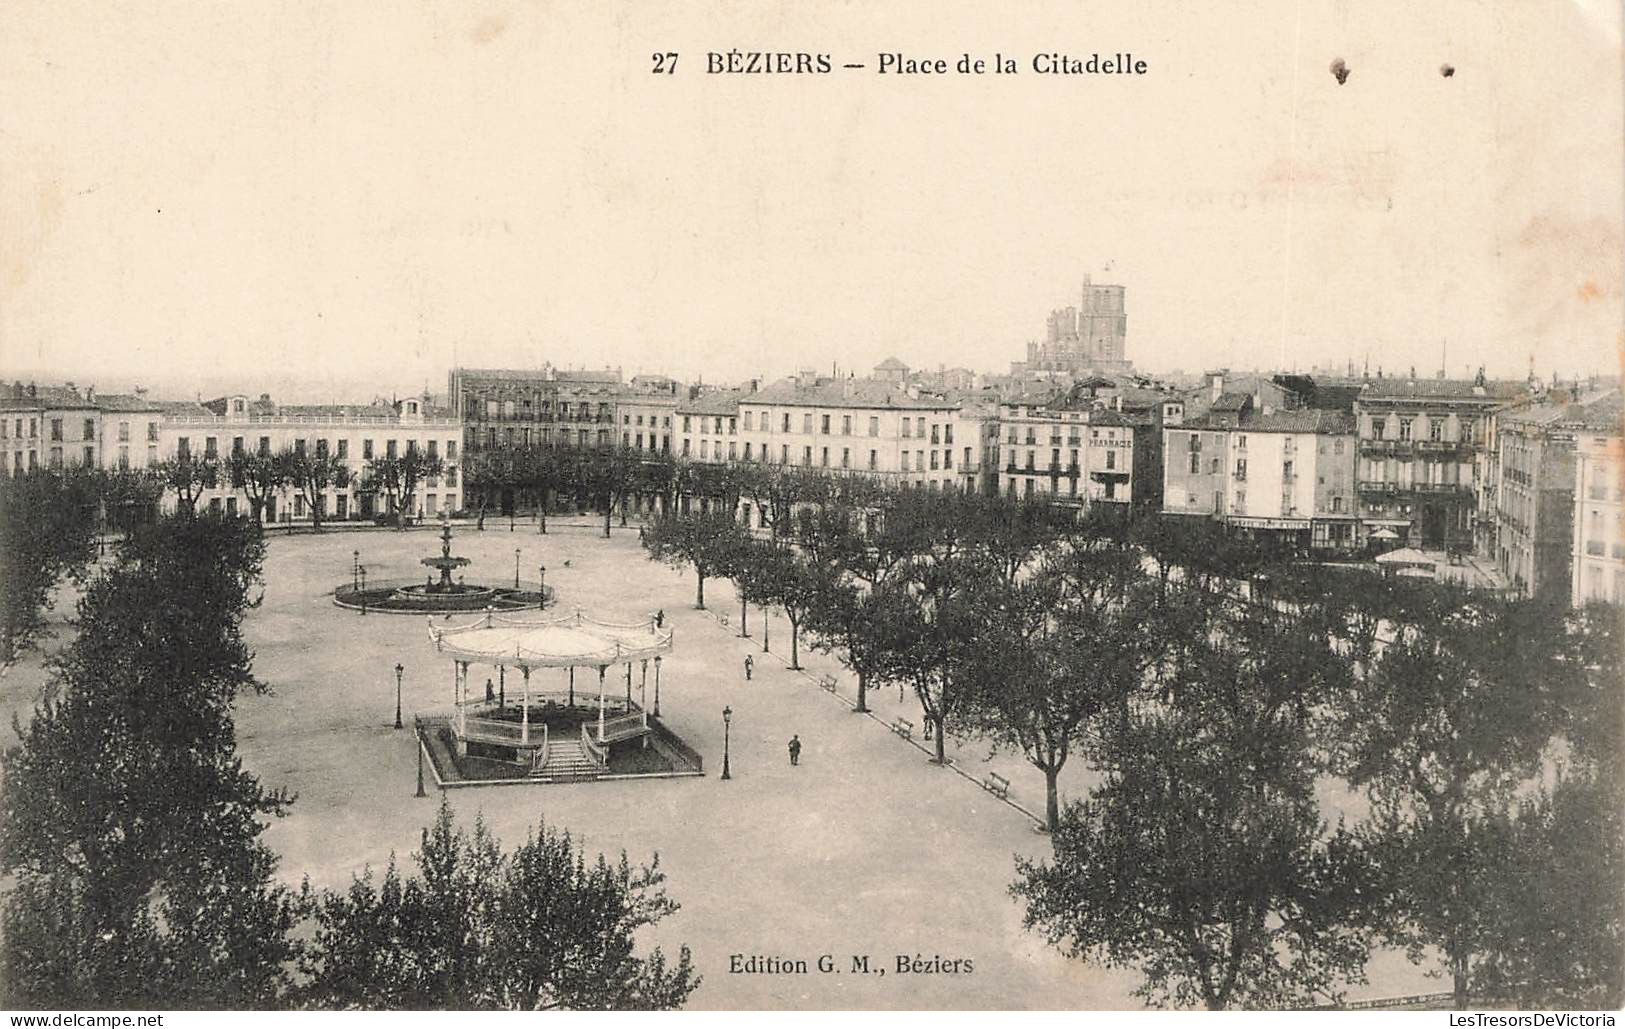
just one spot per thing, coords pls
(657, 687)
(629, 685)
(643, 692)
(502, 686)
(524, 716)
(572, 685)
(601, 702)
(460, 693)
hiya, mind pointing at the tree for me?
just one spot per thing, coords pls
(1062, 651)
(130, 496)
(126, 818)
(313, 474)
(47, 531)
(789, 579)
(1198, 862)
(187, 477)
(398, 478)
(259, 475)
(540, 928)
(703, 542)
(1455, 714)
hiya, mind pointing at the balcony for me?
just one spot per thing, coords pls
(1413, 487)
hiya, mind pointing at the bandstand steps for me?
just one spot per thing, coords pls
(566, 760)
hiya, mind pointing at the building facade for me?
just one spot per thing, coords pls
(1423, 457)
(356, 434)
(1069, 450)
(1598, 550)
(1287, 475)
(521, 408)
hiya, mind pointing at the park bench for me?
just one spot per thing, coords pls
(997, 785)
(827, 682)
(904, 728)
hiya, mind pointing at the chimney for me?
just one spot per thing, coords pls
(1216, 386)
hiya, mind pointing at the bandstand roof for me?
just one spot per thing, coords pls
(563, 642)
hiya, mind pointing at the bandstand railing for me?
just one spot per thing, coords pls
(617, 727)
(591, 749)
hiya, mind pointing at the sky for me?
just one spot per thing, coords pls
(339, 199)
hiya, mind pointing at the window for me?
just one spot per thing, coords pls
(211, 448)
(124, 457)
(1213, 467)
(716, 425)
(90, 429)
(1241, 442)
(90, 455)
(1111, 459)
(1286, 470)
(1378, 427)
(705, 449)
(874, 426)
(947, 459)
(1241, 501)
(948, 434)
(1436, 429)
(1337, 505)
(905, 428)
(1196, 443)
(823, 425)
(823, 457)
(685, 446)
(265, 447)
(784, 451)
(1196, 464)
(124, 432)
(846, 425)
(747, 420)
(389, 447)
(732, 449)
(321, 449)
(1404, 429)
(919, 427)
(686, 427)
(366, 450)
(786, 426)
(1241, 468)
(56, 430)
(904, 459)
(933, 460)
(846, 457)
(747, 449)
(806, 453)
(1337, 446)
(873, 459)
(806, 427)
(966, 463)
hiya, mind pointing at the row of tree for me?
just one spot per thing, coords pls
(136, 877)
(1216, 691)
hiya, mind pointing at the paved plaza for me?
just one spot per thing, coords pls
(866, 848)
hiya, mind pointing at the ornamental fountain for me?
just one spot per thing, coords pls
(446, 595)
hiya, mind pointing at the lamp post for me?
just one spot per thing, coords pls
(355, 569)
(363, 570)
(420, 768)
(657, 686)
(398, 670)
(541, 582)
(516, 567)
(727, 718)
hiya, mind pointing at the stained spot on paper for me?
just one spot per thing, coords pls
(1447, 70)
(1340, 71)
(1588, 291)
(489, 28)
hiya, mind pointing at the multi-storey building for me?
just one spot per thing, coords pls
(1535, 494)
(521, 408)
(1423, 456)
(708, 427)
(1598, 550)
(60, 426)
(356, 434)
(1075, 451)
(647, 412)
(1285, 474)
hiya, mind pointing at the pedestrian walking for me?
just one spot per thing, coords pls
(490, 691)
(660, 619)
(795, 750)
(749, 664)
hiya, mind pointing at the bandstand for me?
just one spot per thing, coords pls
(551, 730)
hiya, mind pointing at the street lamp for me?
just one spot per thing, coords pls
(398, 670)
(355, 569)
(363, 570)
(657, 686)
(420, 792)
(541, 582)
(727, 717)
(516, 567)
